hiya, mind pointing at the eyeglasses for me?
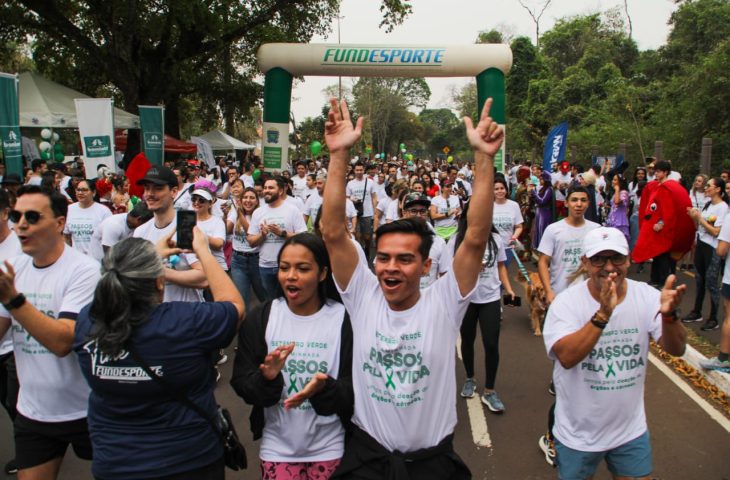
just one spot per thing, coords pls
(197, 199)
(31, 216)
(83, 189)
(422, 212)
(600, 260)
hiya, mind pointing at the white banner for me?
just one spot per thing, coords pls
(205, 153)
(275, 146)
(96, 129)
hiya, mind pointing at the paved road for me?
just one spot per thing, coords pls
(687, 443)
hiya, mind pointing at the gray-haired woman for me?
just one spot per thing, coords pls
(138, 429)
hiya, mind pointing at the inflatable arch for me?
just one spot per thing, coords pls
(280, 62)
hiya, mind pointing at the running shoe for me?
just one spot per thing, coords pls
(469, 387)
(715, 363)
(492, 401)
(222, 358)
(548, 448)
(692, 317)
(11, 468)
(710, 325)
(551, 388)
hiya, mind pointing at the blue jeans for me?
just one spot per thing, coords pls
(270, 281)
(245, 274)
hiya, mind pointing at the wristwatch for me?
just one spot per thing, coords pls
(15, 302)
(598, 320)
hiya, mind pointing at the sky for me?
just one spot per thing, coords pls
(458, 22)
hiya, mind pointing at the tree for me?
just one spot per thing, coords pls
(161, 52)
(536, 11)
(441, 128)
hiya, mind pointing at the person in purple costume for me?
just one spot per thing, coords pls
(543, 198)
(618, 216)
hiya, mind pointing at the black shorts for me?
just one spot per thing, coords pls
(39, 442)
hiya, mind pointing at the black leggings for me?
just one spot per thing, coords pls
(707, 276)
(489, 316)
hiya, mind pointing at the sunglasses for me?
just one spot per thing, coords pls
(599, 261)
(31, 216)
(197, 199)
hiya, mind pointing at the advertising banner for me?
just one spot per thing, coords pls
(96, 129)
(555, 143)
(12, 143)
(152, 124)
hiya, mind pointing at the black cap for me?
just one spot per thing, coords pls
(416, 198)
(11, 179)
(159, 175)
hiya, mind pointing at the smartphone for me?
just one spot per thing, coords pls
(515, 302)
(185, 222)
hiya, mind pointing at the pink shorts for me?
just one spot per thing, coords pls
(298, 471)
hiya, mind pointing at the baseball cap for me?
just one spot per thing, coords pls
(159, 175)
(416, 198)
(201, 192)
(604, 238)
(11, 179)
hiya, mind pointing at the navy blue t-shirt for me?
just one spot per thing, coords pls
(136, 429)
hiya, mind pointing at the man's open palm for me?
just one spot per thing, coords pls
(339, 133)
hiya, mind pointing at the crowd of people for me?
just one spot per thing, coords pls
(347, 283)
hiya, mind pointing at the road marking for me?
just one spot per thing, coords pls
(477, 419)
(704, 405)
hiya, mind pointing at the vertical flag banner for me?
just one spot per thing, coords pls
(12, 143)
(96, 129)
(152, 124)
(555, 143)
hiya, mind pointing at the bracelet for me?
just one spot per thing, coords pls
(15, 302)
(598, 323)
(670, 317)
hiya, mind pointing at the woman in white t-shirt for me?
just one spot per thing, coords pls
(707, 261)
(294, 365)
(485, 309)
(84, 217)
(507, 217)
(445, 211)
(245, 261)
(213, 226)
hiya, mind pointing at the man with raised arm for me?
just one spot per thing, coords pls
(403, 352)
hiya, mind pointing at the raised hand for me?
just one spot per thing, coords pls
(487, 136)
(275, 360)
(339, 133)
(670, 296)
(314, 386)
(7, 283)
(608, 295)
(166, 246)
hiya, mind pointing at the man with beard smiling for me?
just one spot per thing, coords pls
(404, 337)
(598, 331)
(271, 224)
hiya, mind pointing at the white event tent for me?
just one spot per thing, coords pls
(221, 141)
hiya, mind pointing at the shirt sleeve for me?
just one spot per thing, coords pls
(211, 324)
(561, 320)
(298, 224)
(359, 291)
(350, 209)
(517, 214)
(724, 232)
(253, 225)
(547, 242)
(79, 292)
(446, 288)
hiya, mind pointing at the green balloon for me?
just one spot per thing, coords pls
(402, 146)
(57, 148)
(45, 155)
(59, 156)
(315, 147)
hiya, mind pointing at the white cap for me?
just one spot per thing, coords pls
(603, 239)
(201, 192)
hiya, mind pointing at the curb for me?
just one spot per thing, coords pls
(719, 379)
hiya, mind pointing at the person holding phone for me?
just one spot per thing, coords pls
(211, 225)
(484, 310)
(184, 278)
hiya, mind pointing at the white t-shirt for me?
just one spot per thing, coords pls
(299, 188)
(564, 245)
(391, 212)
(489, 286)
(81, 223)
(287, 217)
(713, 214)
(149, 231)
(299, 434)
(557, 178)
(600, 401)
(698, 199)
(379, 189)
(505, 218)
(215, 227)
(443, 205)
(240, 242)
(383, 202)
(403, 361)
(248, 181)
(9, 248)
(725, 237)
(294, 201)
(52, 388)
(183, 200)
(111, 231)
(354, 191)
